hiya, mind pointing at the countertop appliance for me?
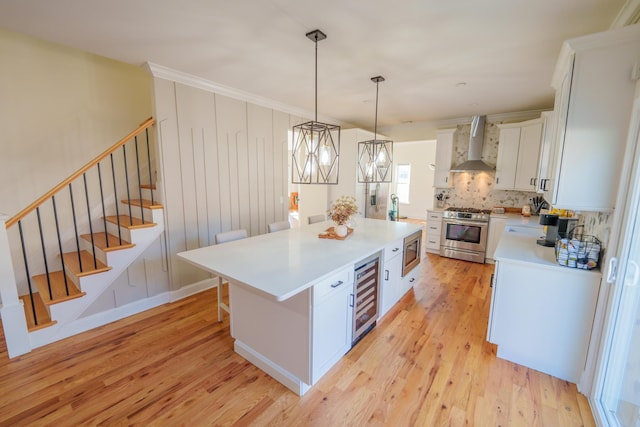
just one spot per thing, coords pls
(366, 290)
(557, 227)
(464, 233)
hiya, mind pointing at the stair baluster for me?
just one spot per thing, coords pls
(93, 244)
(115, 195)
(44, 254)
(75, 227)
(139, 181)
(104, 211)
(126, 176)
(149, 163)
(64, 269)
(26, 269)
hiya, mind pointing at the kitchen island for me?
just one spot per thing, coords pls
(541, 313)
(291, 294)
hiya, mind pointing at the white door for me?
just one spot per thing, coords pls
(619, 396)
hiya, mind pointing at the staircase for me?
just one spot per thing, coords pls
(89, 251)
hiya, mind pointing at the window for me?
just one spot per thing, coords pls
(402, 185)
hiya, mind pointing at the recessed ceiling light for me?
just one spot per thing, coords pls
(461, 84)
(473, 104)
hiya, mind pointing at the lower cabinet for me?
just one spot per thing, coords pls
(541, 317)
(434, 230)
(496, 227)
(409, 279)
(391, 283)
(332, 321)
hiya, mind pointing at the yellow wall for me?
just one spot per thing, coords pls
(60, 107)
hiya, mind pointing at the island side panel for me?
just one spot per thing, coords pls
(278, 331)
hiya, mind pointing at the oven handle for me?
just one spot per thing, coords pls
(465, 222)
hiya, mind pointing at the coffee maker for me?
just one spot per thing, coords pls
(557, 227)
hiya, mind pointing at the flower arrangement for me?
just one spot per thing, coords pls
(343, 209)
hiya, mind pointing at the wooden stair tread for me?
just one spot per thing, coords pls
(148, 186)
(44, 319)
(73, 265)
(100, 240)
(58, 288)
(130, 223)
(144, 203)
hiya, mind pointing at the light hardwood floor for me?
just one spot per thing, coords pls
(425, 364)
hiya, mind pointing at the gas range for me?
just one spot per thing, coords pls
(473, 214)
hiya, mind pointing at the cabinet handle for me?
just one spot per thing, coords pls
(412, 280)
(386, 275)
(395, 249)
(446, 179)
(497, 180)
(491, 282)
(544, 184)
(338, 283)
(432, 241)
(351, 302)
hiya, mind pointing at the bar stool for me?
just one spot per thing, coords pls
(316, 218)
(226, 236)
(280, 225)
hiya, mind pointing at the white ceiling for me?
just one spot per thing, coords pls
(442, 59)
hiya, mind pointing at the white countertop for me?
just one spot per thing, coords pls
(284, 263)
(518, 244)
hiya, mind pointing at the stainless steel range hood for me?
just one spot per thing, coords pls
(476, 139)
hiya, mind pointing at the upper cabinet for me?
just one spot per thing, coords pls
(444, 157)
(547, 151)
(518, 150)
(594, 96)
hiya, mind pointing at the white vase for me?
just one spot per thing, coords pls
(340, 230)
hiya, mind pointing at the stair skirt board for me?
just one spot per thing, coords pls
(57, 332)
(84, 287)
(94, 285)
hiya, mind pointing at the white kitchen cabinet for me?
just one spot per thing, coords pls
(332, 321)
(496, 227)
(594, 96)
(518, 151)
(546, 159)
(409, 279)
(391, 290)
(434, 231)
(541, 317)
(444, 157)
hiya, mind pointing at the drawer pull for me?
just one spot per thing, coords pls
(395, 250)
(386, 275)
(338, 283)
(412, 280)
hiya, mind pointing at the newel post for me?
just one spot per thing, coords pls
(14, 322)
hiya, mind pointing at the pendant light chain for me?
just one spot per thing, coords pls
(375, 126)
(316, 78)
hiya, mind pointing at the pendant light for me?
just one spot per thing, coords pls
(316, 146)
(375, 157)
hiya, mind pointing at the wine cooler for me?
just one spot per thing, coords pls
(365, 311)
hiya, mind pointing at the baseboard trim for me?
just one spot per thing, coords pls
(46, 336)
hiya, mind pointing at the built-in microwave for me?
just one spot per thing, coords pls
(411, 254)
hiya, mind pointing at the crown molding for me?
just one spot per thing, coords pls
(628, 15)
(502, 117)
(166, 73)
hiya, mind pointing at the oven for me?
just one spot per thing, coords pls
(464, 235)
(411, 253)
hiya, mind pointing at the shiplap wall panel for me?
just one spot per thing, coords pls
(170, 183)
(281, 129)
(260, 135)
(223, 166)
(231, 117)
